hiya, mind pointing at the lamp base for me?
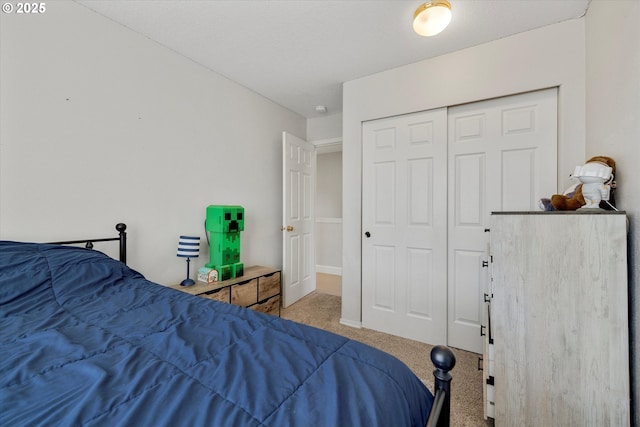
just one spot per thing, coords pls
(187, 282)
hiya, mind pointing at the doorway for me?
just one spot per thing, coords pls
(328, 220)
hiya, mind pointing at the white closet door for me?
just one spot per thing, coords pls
(404, 216)
(502, 157)
(428, 191)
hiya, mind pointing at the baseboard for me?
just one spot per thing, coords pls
(350, 323)
(327, 269)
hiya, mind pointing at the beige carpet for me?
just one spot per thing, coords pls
(323, 311)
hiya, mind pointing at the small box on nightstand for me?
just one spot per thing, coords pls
(207, 275)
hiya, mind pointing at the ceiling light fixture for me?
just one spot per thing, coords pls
(432, 17)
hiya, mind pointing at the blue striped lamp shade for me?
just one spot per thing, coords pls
(189, 247)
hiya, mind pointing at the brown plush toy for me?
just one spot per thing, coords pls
(572, 199)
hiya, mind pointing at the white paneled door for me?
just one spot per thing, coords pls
(502, 157)
(430, 182)
(298, 197)
(404, 220)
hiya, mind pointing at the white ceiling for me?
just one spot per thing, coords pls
(299, 52)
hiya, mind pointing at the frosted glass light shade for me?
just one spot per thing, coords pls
(432, 17)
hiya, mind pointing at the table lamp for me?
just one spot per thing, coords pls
(188, 247)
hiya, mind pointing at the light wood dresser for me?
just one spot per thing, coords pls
(557, 304)
(259, 289)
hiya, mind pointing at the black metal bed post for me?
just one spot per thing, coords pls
(444, 360)
(123, 241)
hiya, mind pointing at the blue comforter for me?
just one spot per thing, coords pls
(84, 340)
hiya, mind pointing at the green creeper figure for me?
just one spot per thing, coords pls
(224, 224)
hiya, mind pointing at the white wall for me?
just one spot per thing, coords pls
(324, 127)
(613, 129)
(100, 125)
(329, 185)
(542, 58)
(329, 212)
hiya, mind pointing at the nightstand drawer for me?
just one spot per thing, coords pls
(270, 306)
(220, 295)
(258, 288)
(268, 286)
(245, 293)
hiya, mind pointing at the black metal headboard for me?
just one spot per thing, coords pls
(122, 238)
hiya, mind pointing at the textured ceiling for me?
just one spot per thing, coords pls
(299, 52)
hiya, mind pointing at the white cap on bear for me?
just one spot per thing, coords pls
(593, 169)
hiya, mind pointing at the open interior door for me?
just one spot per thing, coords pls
(298, 216)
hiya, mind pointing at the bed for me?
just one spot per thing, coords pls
(88, 341)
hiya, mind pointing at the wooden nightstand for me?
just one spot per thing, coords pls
(258, 289)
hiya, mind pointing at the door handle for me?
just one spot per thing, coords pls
(288, 228)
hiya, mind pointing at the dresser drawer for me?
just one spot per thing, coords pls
(488, 364)
(270, 306)
(219, 295)
(245, 293)
(490, 405)
(268, 286)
